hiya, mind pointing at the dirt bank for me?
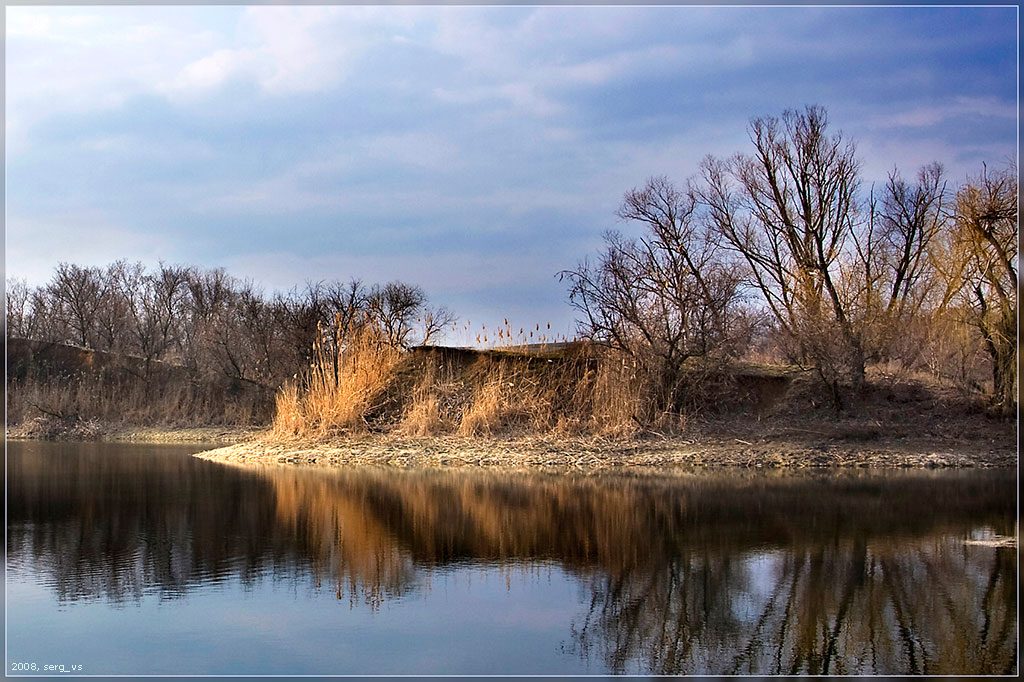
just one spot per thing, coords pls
(55, 429)
(796, 450)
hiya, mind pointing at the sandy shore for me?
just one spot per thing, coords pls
(562, 453)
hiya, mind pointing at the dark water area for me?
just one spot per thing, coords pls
(129, 559)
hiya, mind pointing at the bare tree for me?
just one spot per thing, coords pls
(911, 217)
(253, 340)
(297, 316)
(44, 323)
(395, 307)
(893, 257)
(345, 303)
(75, 298)
(788, 210)
(18, 311)
(112, 315)
(663, 297)
(433, 321)
(155, 303)
(210, 293)
(982, 271)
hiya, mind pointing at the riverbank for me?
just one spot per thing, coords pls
(921, 441)
(794, 448)
(54, 429)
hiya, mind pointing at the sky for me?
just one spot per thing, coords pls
(474, 151)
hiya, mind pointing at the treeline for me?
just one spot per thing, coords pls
(782, 248)
(208, 321)
(779, 254)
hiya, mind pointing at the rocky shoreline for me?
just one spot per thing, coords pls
(577, 454)
(779, 447)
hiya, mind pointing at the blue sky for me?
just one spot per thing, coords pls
(475, 151)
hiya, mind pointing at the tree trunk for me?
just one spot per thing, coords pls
(1001, 344)
(1004, 377)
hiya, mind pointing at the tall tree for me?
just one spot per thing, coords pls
(395, 307)
(892, 257)
(155, 303)
(75, 292)
(17, 298)
(983, 273)
(788, 209)
(664, 296)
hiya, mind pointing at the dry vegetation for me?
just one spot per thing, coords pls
(582, 406)
(60, 391)
(777, 258)
(358, 383)
(345, 382)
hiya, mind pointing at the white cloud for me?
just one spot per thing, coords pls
(36, 244)
(881, 153)
(210, 71)
(59, 60)
(28, 24)
(931, 115)
(293, 49)
(521, 98)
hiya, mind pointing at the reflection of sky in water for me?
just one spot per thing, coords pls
(468, 620)
(763, 570)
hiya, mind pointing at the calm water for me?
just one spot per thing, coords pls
(143, 560)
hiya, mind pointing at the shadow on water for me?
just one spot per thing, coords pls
(835, 573)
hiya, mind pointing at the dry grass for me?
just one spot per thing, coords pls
(425, 415)
(126, 399)
(424, 418)
(361, 384)
(346, 380)
(492, 407)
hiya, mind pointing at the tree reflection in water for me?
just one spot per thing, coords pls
(838, 573)
(916, 606)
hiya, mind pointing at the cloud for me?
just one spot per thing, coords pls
(286, 50)
(934, 114)
(85, 237)
(210, 71)
(71, 60)
(519, 97)
(479, 149)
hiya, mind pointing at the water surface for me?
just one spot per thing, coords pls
(133, 559)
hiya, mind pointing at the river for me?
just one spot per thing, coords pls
(140, 559)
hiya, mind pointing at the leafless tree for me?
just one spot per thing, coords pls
(788, 209)
(209, 295)
(209, 291)
(982, 271)
(112, 315)
(44, 323)
(433, 321)
(893, 257)
(154, 302)
(395, 307)
(345, 302)
(18, 311)
(75, 298)
(664, 296)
